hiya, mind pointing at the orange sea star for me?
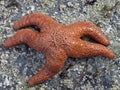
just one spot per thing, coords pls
(58, 42)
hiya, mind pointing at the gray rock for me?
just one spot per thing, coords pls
(19, 63)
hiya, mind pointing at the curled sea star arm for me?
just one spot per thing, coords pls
(42, 21)
(23, 36)
(85, 49)
(91, 30)
(54, 62)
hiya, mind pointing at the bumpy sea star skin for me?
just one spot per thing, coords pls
(58, 42)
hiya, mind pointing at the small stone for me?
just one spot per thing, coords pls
(1, 84)
(69, 83)
(70, 4)
(2, 2)
(32, 8)
(62, 7)
(6, 81)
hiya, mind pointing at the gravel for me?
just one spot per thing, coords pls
(19, 63)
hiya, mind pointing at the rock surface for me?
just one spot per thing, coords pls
(19, 63)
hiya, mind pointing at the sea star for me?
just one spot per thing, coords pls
(58, 42)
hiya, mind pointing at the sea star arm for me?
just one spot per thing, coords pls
(89, 29)
(26, 36)
(42, 21)
(85, 49)
(54, 62)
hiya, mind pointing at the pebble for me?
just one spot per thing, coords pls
(70, 4)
